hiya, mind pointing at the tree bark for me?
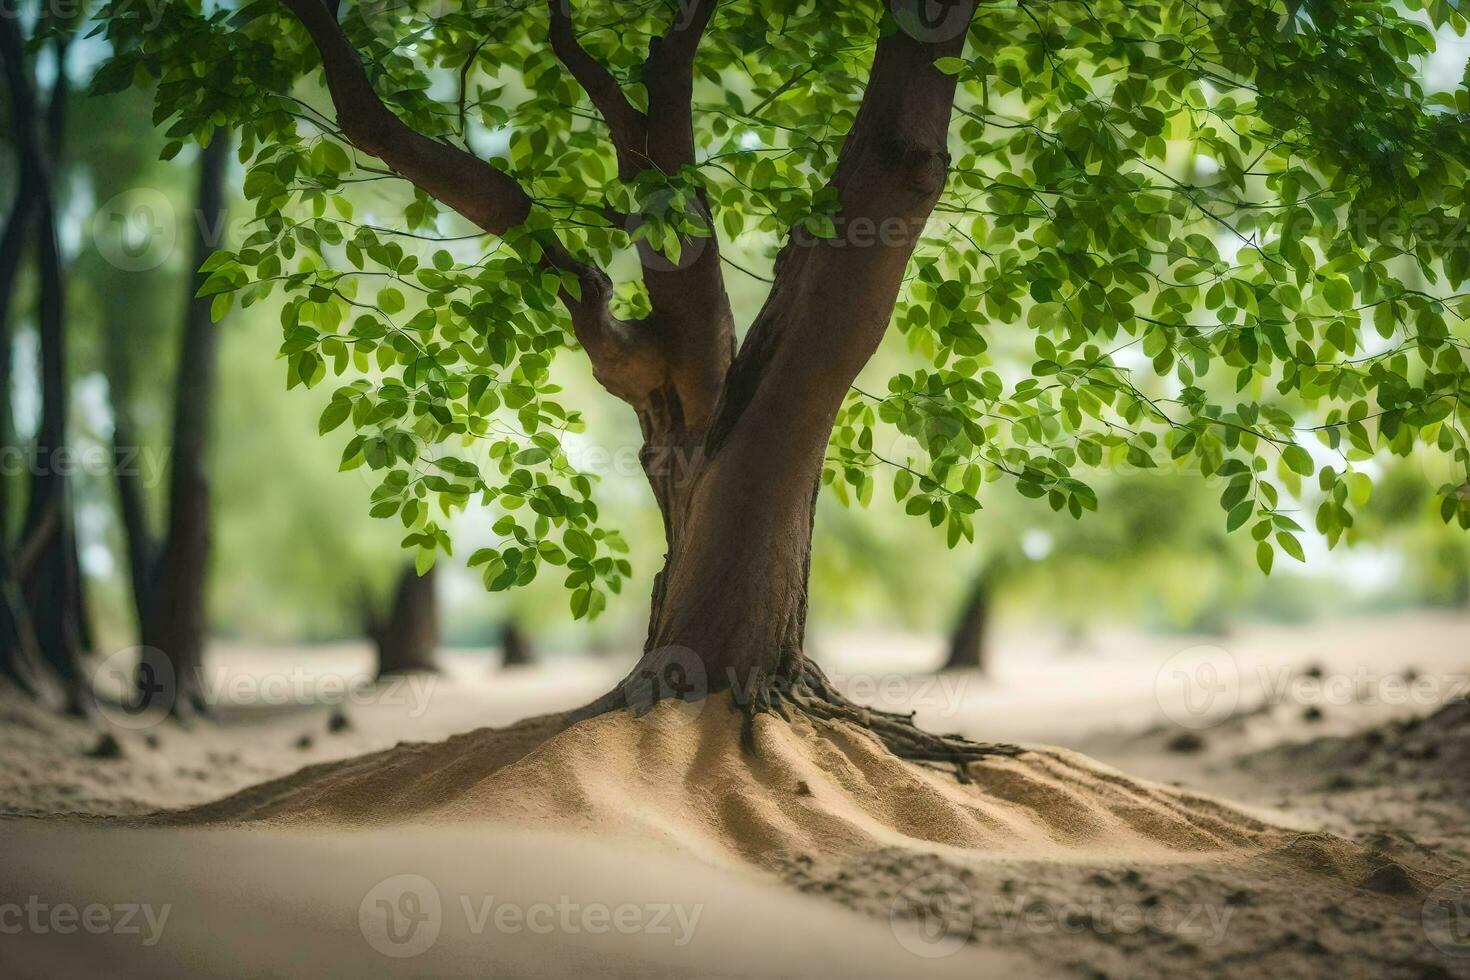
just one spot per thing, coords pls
(174, 627)
(968, 644)
(407, 639)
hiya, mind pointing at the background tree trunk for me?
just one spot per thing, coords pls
(407, 639)
(52, 587)
(515, 648)
(174, 626)
(20, 659)
(969, 643)
(132, 509)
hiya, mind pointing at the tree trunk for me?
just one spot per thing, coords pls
(729, 608)
(407, 639)
(52, 587)
(19, 656)
(133, 510)
(174, 627)
(514, 647)
(968, 647)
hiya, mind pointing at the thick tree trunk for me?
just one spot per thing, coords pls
(515, 649)
(174, 626)
(968, 643)
(407, 639)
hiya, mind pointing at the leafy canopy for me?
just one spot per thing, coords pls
(1231, 232)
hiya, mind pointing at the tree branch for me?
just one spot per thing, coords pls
(629, 127)
(833, 299)
(480, 192)
(670, 79)
(624, 359)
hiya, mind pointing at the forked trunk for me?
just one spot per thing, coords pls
(407, 638)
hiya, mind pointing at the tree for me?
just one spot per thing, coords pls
(951, 169)
(171, 594)
(408, 636)
(969, 642)
(49, 578)
(515, 648)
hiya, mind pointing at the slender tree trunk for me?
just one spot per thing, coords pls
(52, 587)
(407, 639)
(12, 251)
(133, 510)
(968, 645)
(515, 648)
(174, 627)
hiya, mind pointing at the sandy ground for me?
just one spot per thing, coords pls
(1342, 850)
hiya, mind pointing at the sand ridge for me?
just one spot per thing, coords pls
(679, 777)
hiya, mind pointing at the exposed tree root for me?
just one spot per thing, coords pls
(808, 691)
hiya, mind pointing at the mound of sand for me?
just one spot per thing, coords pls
(679, 777)
(1048, 854)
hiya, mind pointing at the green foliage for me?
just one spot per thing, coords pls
(1205, 216)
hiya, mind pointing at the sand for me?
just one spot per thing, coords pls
(1346, 858)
